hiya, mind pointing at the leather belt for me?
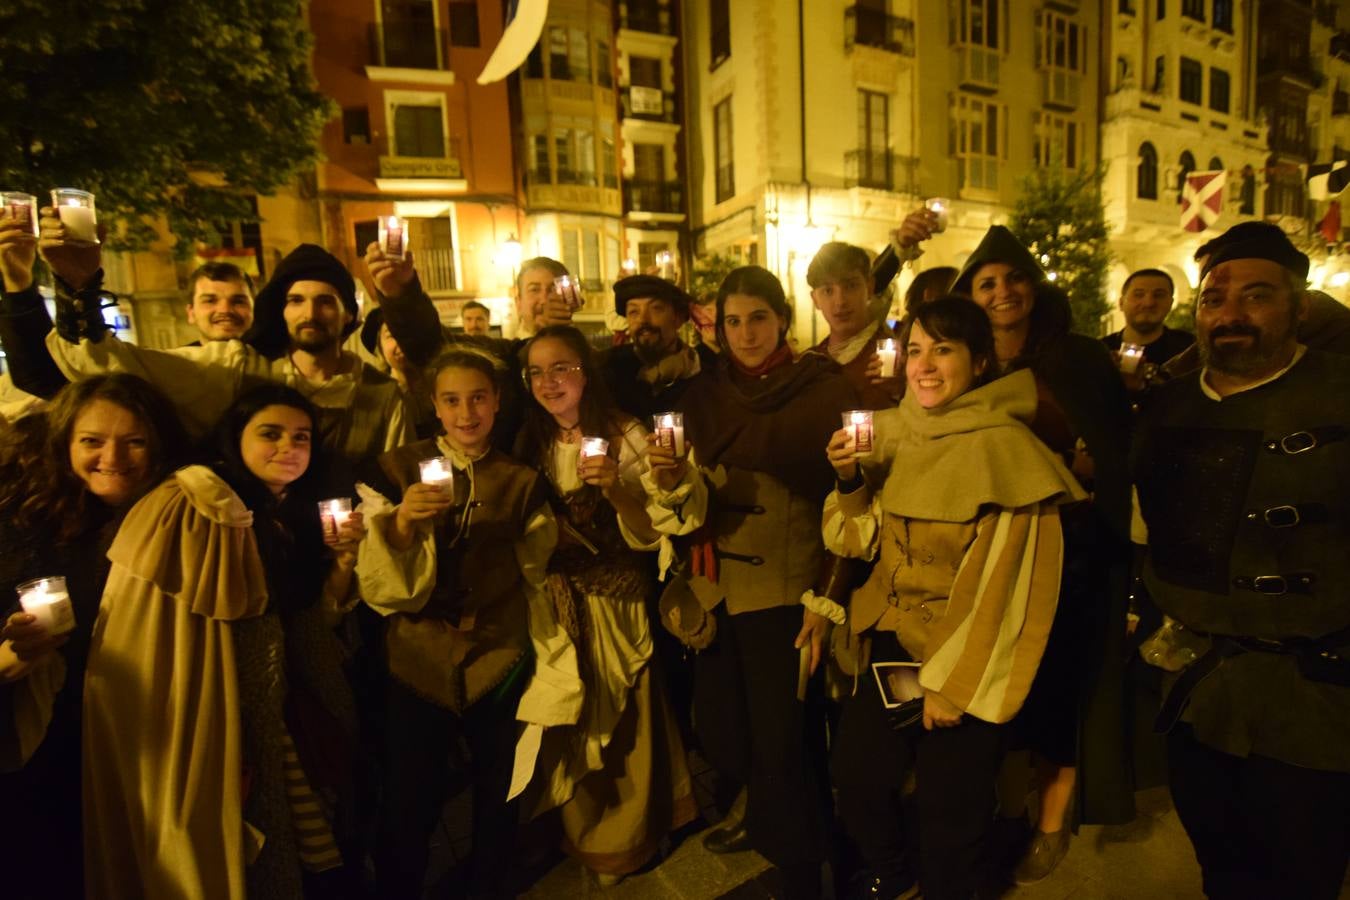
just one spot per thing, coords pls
(1289, 514)
(1276, 585)
(1302, 441)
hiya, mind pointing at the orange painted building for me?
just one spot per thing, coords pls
(419, 138)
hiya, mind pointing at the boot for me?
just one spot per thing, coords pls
(730, 835)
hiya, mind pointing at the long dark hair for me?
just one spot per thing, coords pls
(599, 415)
(1051, 316)
(960, 320)
(754, 281)
(290, 536)
(38, 486)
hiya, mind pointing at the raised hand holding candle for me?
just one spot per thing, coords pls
(859, 424)
(21, 207)
(47, 600)
(669, 431)
(392, 236)
(940, 207)
(76, 209)
(334, 514)
(567, 289)
(887, 351)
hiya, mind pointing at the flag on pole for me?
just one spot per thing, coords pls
(1326, 180)
(1202, 199)
(1330, 226)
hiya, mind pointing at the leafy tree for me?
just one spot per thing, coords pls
(1059, 216)
(175, 108)
(707, 276)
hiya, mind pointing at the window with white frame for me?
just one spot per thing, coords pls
(978, 140)
(1057, 140)
(590, 253)
(416, 124)
(977, 23)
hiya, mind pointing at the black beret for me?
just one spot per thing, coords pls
(1256, 240)
(641, 286)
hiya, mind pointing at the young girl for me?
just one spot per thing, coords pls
(216, 709)
(456, 569)
(619, 777)
(966, 583)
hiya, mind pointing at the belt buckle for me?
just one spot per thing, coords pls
(1283, 516)
(1270, 584)
(1298, 442)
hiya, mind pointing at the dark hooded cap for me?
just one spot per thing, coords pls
(638, 286)
(1256, 240)
(307, 262)
(998, 246)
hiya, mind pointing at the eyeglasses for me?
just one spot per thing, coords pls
(554, 373)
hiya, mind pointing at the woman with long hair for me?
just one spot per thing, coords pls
(1074, 716)
(456, 571)
(758, 569)
(68, 474)
(218, 714)
(618, 776)
(959, 603)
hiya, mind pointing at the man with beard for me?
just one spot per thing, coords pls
(840, 277)
(476, 319)
(1145, 300)
(220, 306)
(1240, 470)
(648, 374)
(303, 314)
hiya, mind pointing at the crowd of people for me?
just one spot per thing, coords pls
(321, 573)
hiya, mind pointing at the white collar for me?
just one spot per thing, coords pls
(1209, 392)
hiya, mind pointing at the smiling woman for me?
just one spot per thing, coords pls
(67, 475)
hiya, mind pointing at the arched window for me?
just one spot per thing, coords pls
(1187, 166)
(1146, 180)
(1215, 164)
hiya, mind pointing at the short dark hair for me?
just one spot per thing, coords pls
(1149, 273)
(960, 320)
(474, 304)
(835, 259)
(541, 262)
(218, 271)
(939, 279)
(755, 281)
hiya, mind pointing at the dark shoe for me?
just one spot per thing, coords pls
(871, 884)
(727, 840)
(1009, 838)
(1042, 856)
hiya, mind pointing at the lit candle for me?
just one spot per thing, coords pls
(438, 471)
(334, 514)
(76, 210)
(594, 446)
(566, 288)
(391, 236)
(887, 351)
(859, 424)
(666, 260)
(47, 600)
(21, 207)
(938, 206)
(669, 430)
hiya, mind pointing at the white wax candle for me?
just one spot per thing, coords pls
(79, 222)
(47, 601)
(391, 236)
(594, 446)
(859, 422)
(669, 430)
(438, 471)
(939, 207)
(887, 351)
(334, 514)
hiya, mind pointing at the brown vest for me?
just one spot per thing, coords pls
(474, 628)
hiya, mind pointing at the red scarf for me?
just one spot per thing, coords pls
(780, 357)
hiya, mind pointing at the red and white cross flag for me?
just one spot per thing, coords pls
(1202, 199)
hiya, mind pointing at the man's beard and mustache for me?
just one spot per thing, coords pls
(312, 337)
(1255, 357)
(650, 345)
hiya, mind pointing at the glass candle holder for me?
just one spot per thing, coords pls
(438, 471)
(594, 446)
(78, 216)
(859, 424)
(940, 207)
(393, 236)
(48, 601)
(669, 431)
(566, 287)
(888, 353)
(333, 514)
(21, 207)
